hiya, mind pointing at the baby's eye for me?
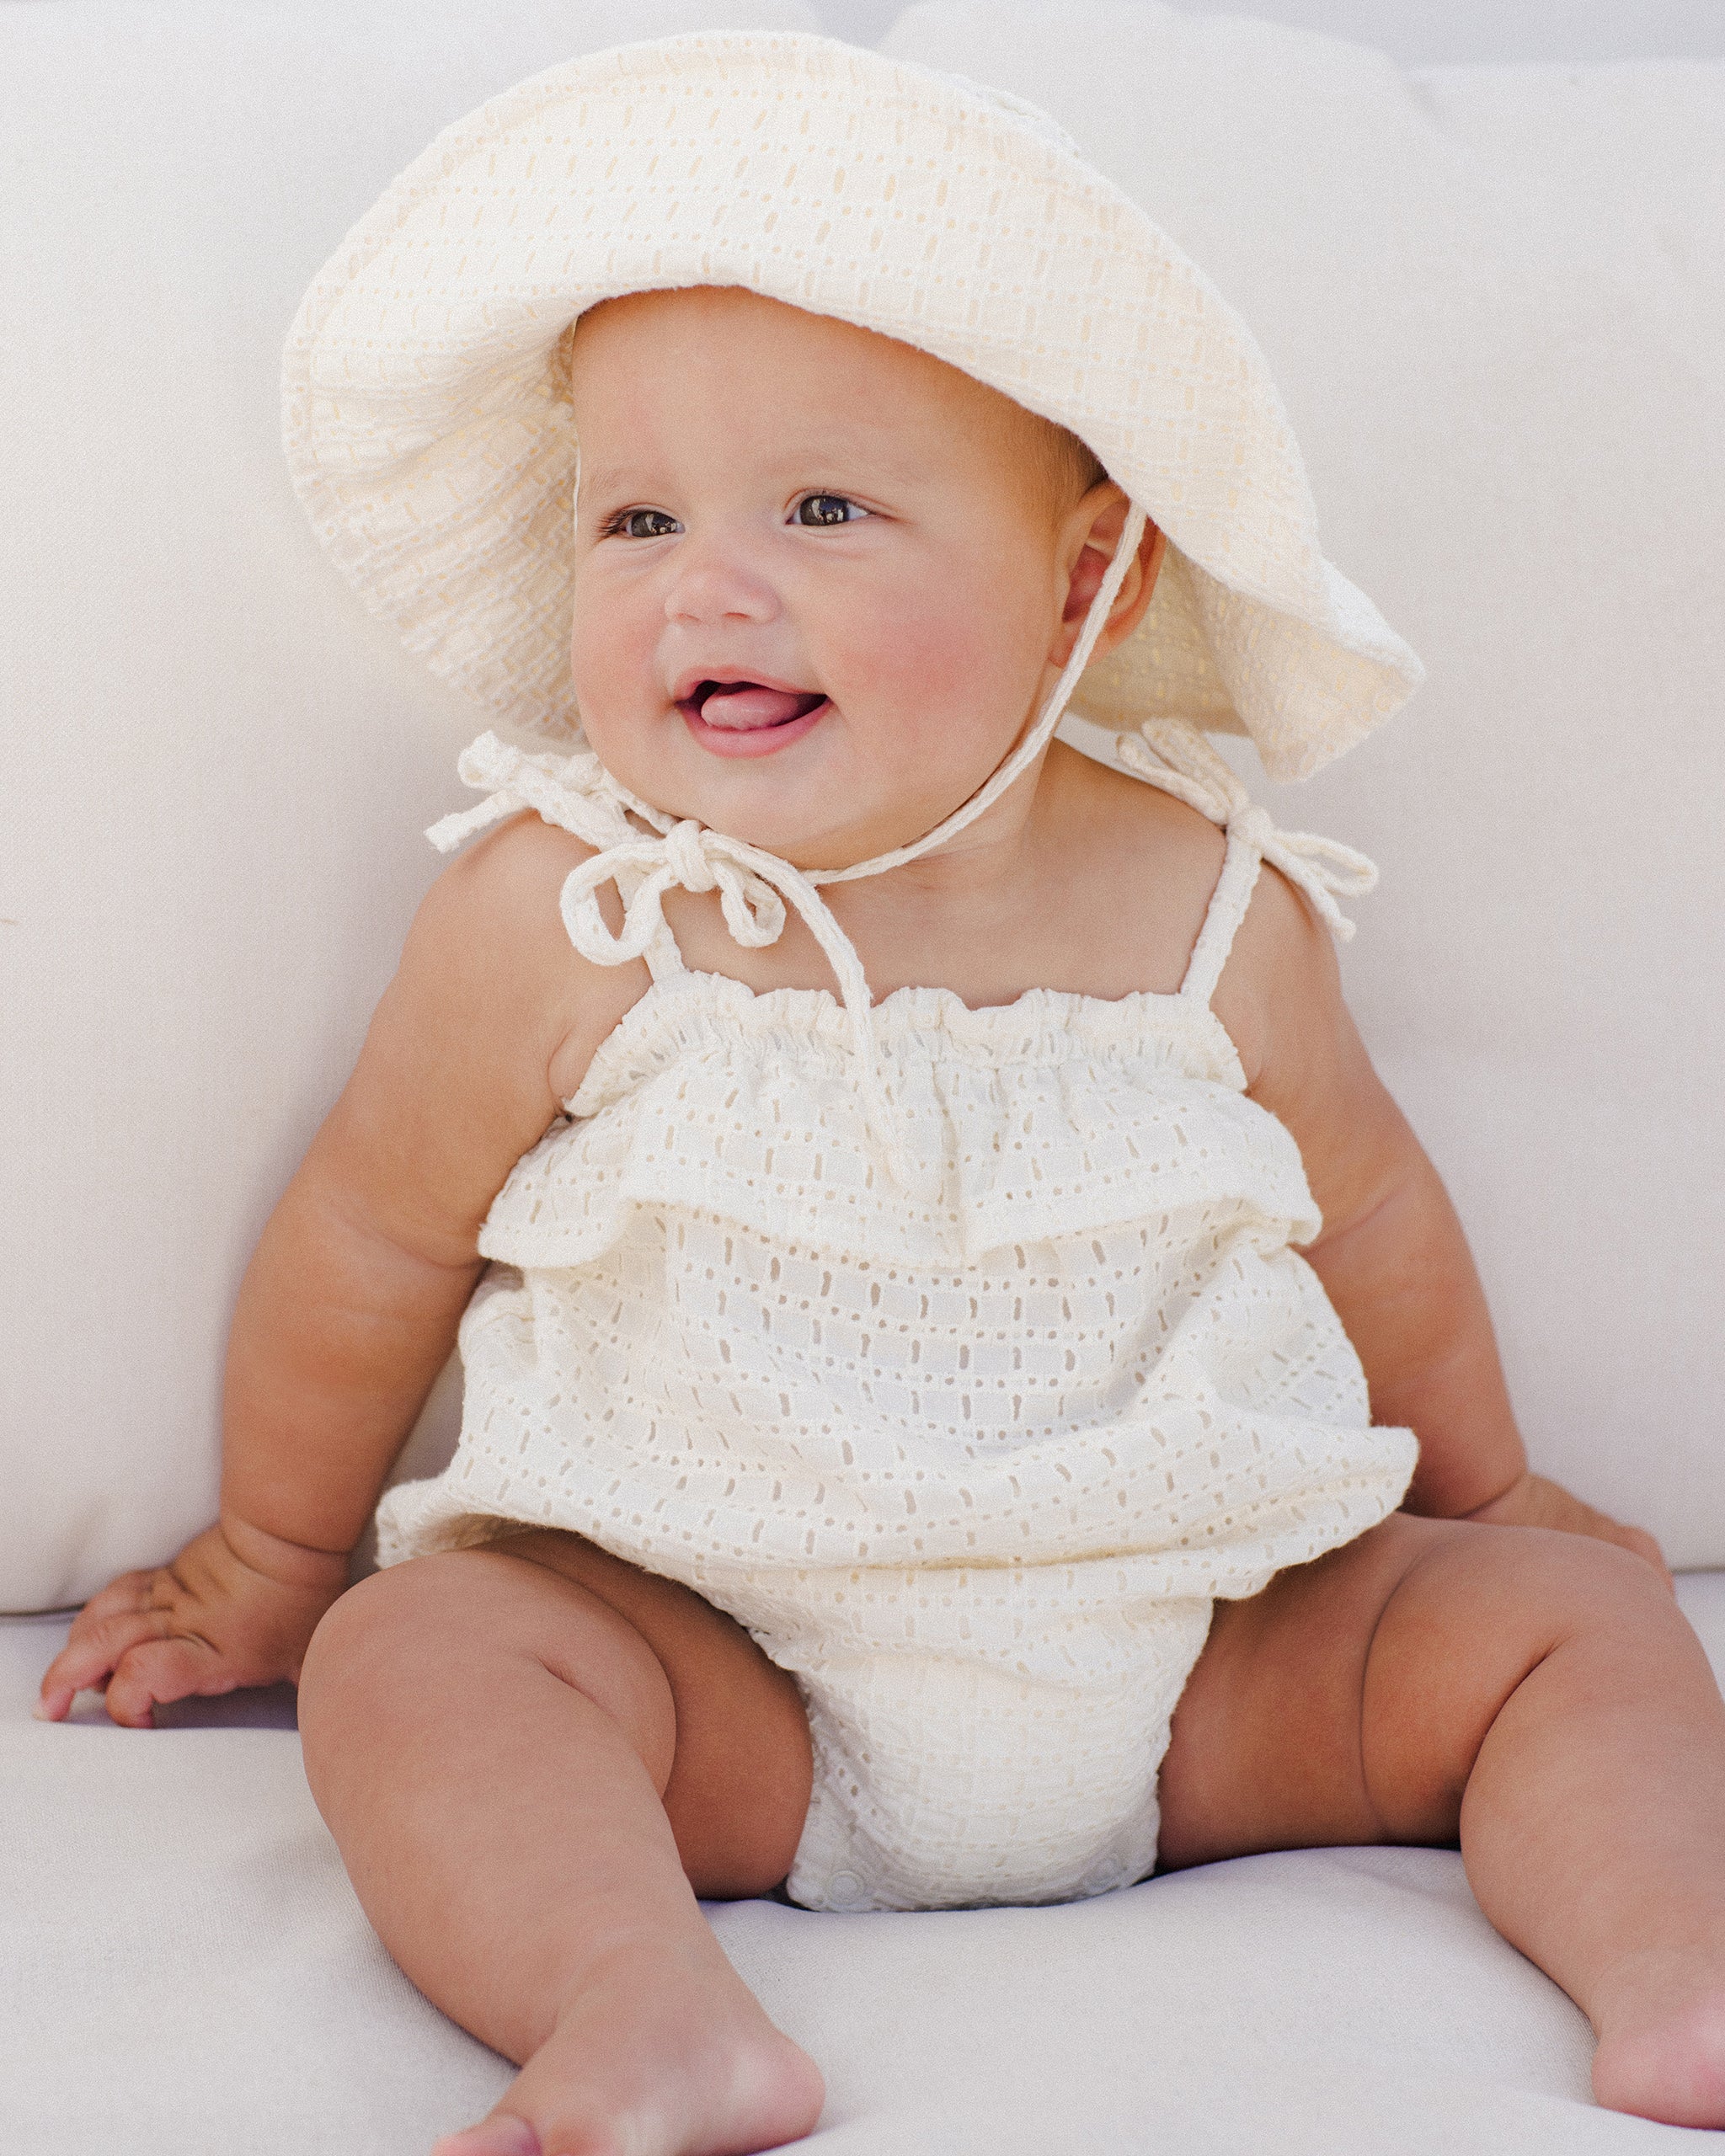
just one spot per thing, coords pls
(828, 509)
(641, 524)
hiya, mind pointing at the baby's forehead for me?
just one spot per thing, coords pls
(857, 388)
(697, 325)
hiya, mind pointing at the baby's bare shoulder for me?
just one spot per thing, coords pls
(488, 972)
(468, 1059)
(1150, 863)
(1279, 995)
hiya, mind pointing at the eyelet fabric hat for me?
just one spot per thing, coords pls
(430, 439)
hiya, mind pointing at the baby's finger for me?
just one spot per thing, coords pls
(128, 1591)
(85, 1663)
(149, 1676)
(125, 1596)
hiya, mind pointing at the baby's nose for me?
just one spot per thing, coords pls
(714, 583)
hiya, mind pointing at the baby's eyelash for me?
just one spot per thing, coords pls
(826, 494)
(850, 511)
(616, 525)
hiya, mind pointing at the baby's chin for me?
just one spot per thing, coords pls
(809, 827)
(811, 800)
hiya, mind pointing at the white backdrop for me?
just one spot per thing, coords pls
(1425, 32)
(1414, 33)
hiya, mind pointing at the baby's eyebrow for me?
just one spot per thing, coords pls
(605, 478)
(847, 450)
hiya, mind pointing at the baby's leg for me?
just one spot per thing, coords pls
(1539, 1697)
(532, 1757)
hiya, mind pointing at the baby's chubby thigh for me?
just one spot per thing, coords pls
(1350, 1701)
(477, 1634)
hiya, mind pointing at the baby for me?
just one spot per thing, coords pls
(906, 1461)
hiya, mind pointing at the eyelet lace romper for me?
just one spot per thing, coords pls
(974, 1458)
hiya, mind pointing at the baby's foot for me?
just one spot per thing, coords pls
(1661, 2021)
(654, 2055)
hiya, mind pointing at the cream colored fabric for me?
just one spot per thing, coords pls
(186, 1972)
(972, 1450)
(430, 439)
(1494, 301)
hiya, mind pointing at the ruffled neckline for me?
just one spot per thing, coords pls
(1040, 1025)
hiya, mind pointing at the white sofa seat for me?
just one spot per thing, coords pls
(190, 1974)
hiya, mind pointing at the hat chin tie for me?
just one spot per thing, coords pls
(578, 794)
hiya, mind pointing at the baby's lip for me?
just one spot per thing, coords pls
(725, 677)
(739, 702)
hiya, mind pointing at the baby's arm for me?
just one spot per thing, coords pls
(348, 1308)
(1391, 1255)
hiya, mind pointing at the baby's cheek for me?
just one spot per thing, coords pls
(610, 666)
(945, 671)
(588, 656)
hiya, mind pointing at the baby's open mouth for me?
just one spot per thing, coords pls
(748, 706)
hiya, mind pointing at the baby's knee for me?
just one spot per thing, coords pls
(439, 1637)
(1493, 1603)
(1543, 1586)
(404, 1640)
(1483, 1611)
(368, 1641)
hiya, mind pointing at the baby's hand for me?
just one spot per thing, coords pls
(208, 1622)
(1533, 1502)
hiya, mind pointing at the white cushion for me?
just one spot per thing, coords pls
(188, 1974)
(1494, 301)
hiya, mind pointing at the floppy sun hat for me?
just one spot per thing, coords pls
(430, 439)
(431, 442)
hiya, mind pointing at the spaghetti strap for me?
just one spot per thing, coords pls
(663, 954)
(1227, 909)
(1174, 757)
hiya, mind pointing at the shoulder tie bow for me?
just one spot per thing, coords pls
(1169, 754)
(577, 795)
(686, 855)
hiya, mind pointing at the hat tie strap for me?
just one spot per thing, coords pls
(1035, 736)
(1174, 755)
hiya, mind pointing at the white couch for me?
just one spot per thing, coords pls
(1495, 300)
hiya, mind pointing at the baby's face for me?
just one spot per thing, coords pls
(818, 575)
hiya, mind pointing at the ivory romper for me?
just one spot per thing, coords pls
(972, 1459)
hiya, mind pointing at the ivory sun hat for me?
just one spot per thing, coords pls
(431, 441)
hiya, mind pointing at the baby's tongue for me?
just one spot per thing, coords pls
(745, 704)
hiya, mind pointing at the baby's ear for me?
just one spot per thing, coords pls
(1097, 523)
